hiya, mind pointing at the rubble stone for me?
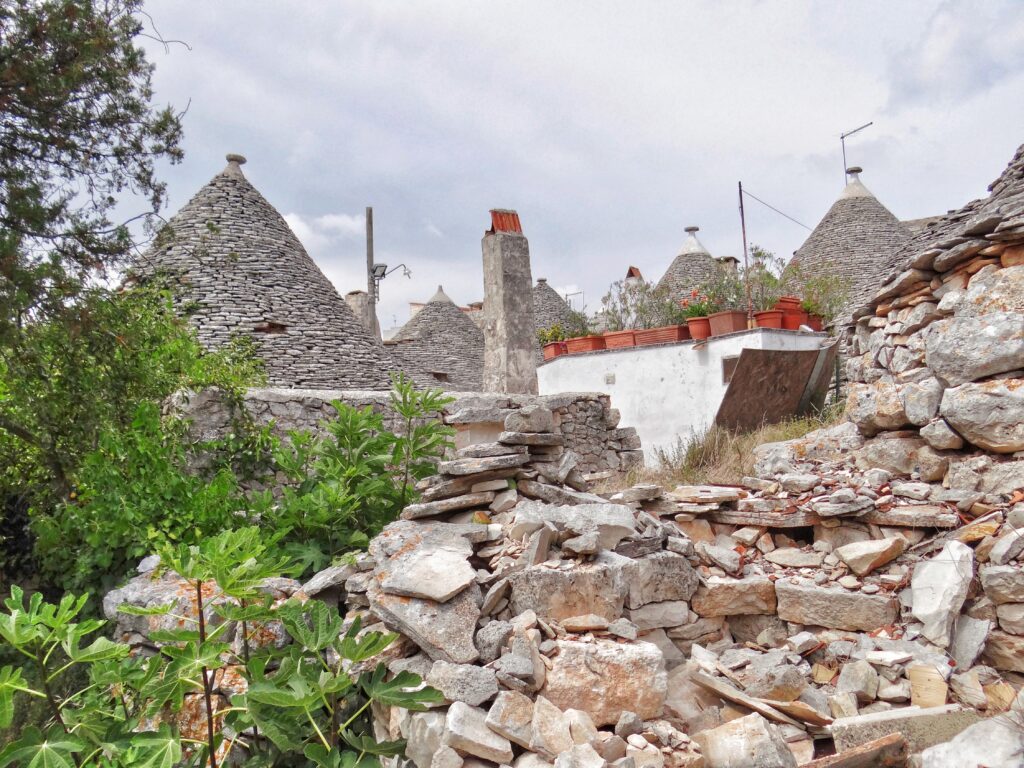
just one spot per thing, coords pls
(808, 603)
(660, 577)
(463, 682)
(598, 588)
(939, 587)
(963, 349)
(988, 414)
(863, 557)
(1003, 583)
(511, 716)
(605, 678)
(466, 731)
(719, 596)
(747, 742)
(921, 727)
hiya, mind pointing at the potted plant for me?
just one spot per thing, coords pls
(725, 292)
(765, 285)
(696, 310)
(590, 343)
(637, 312)
(553, 341)
(825, 294)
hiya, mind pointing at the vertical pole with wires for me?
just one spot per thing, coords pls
(746, 264)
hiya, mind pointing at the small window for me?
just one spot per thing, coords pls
(269, 326)
(728, 368)
(440, 376)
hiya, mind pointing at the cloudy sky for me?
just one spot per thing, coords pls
(608, 126)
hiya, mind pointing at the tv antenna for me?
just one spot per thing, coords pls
(842, 139)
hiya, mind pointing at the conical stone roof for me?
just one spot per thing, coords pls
(548, 307)
(692, 267)
(855, 240)
(442, 342)
(244, 271)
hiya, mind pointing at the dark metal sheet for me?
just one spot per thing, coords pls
(769, 385)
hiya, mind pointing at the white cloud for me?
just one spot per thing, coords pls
(344, 224)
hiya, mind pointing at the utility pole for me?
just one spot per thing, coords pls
(746, 264)
(371, 286)
(842, 140)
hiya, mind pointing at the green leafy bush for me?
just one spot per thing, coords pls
(636, 304)
(135, 494)
(347, 484)
(306, 704)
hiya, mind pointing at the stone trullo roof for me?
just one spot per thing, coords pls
(691, 268)
(442, 342)
(244, 271)
(958, 236)
(548, 307)
(855, 240)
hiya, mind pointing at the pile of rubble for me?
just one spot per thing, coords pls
(714, 626)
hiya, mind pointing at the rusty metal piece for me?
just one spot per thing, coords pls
(505, 221)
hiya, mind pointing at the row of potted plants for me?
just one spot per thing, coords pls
(700, 323)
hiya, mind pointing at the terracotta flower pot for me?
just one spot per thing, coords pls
(662, 335)
(554, 349)
(584, 344)
(729, 321)
(788, 302)
(768, 318)
(792, 319)
(816, 322)
(619, 339)
(699, 327)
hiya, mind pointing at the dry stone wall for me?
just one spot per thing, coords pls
(585, 420)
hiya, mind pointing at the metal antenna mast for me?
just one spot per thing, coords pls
(842, 139)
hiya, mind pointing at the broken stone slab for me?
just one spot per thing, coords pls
(719, 596)
(914, 516)
(1008, 546)
(1004, 651)
(442, 630)
(485, 450)
(586, 623)
(988, 414)
(746, 742)
(453, 504)
(531, 438)
(922, 728)
(491, 639)
(863, 557)
(860, 679)
(598, 587)
(425, 731)
(636, 493)
(969, 638)
(660, 577)
(466, 731)
(799, 482)
(706, 494)
(436, 488)
(725, 690)
(791, 557)
(785, 517)
(531, 418)
(887, 752)
(553, 494)
(580, 756)
(606, 678)
(938, 589)
(463, 682)
(462, 467)
(330, 579)
(1003, 583)
(994, 743)
(446, 757)
(435, 572)
(549, 730)
(611, 522)
(808, 603)
(511, 716)
(725, 558)
(669, 613)
(782, 683)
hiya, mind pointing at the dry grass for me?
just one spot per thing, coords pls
(724, 457)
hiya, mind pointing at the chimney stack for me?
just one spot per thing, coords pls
(509, 333)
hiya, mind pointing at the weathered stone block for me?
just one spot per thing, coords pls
(808, 603)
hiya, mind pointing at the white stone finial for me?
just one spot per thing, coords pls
(236, 159)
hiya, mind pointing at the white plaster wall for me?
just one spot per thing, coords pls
(668, 390)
